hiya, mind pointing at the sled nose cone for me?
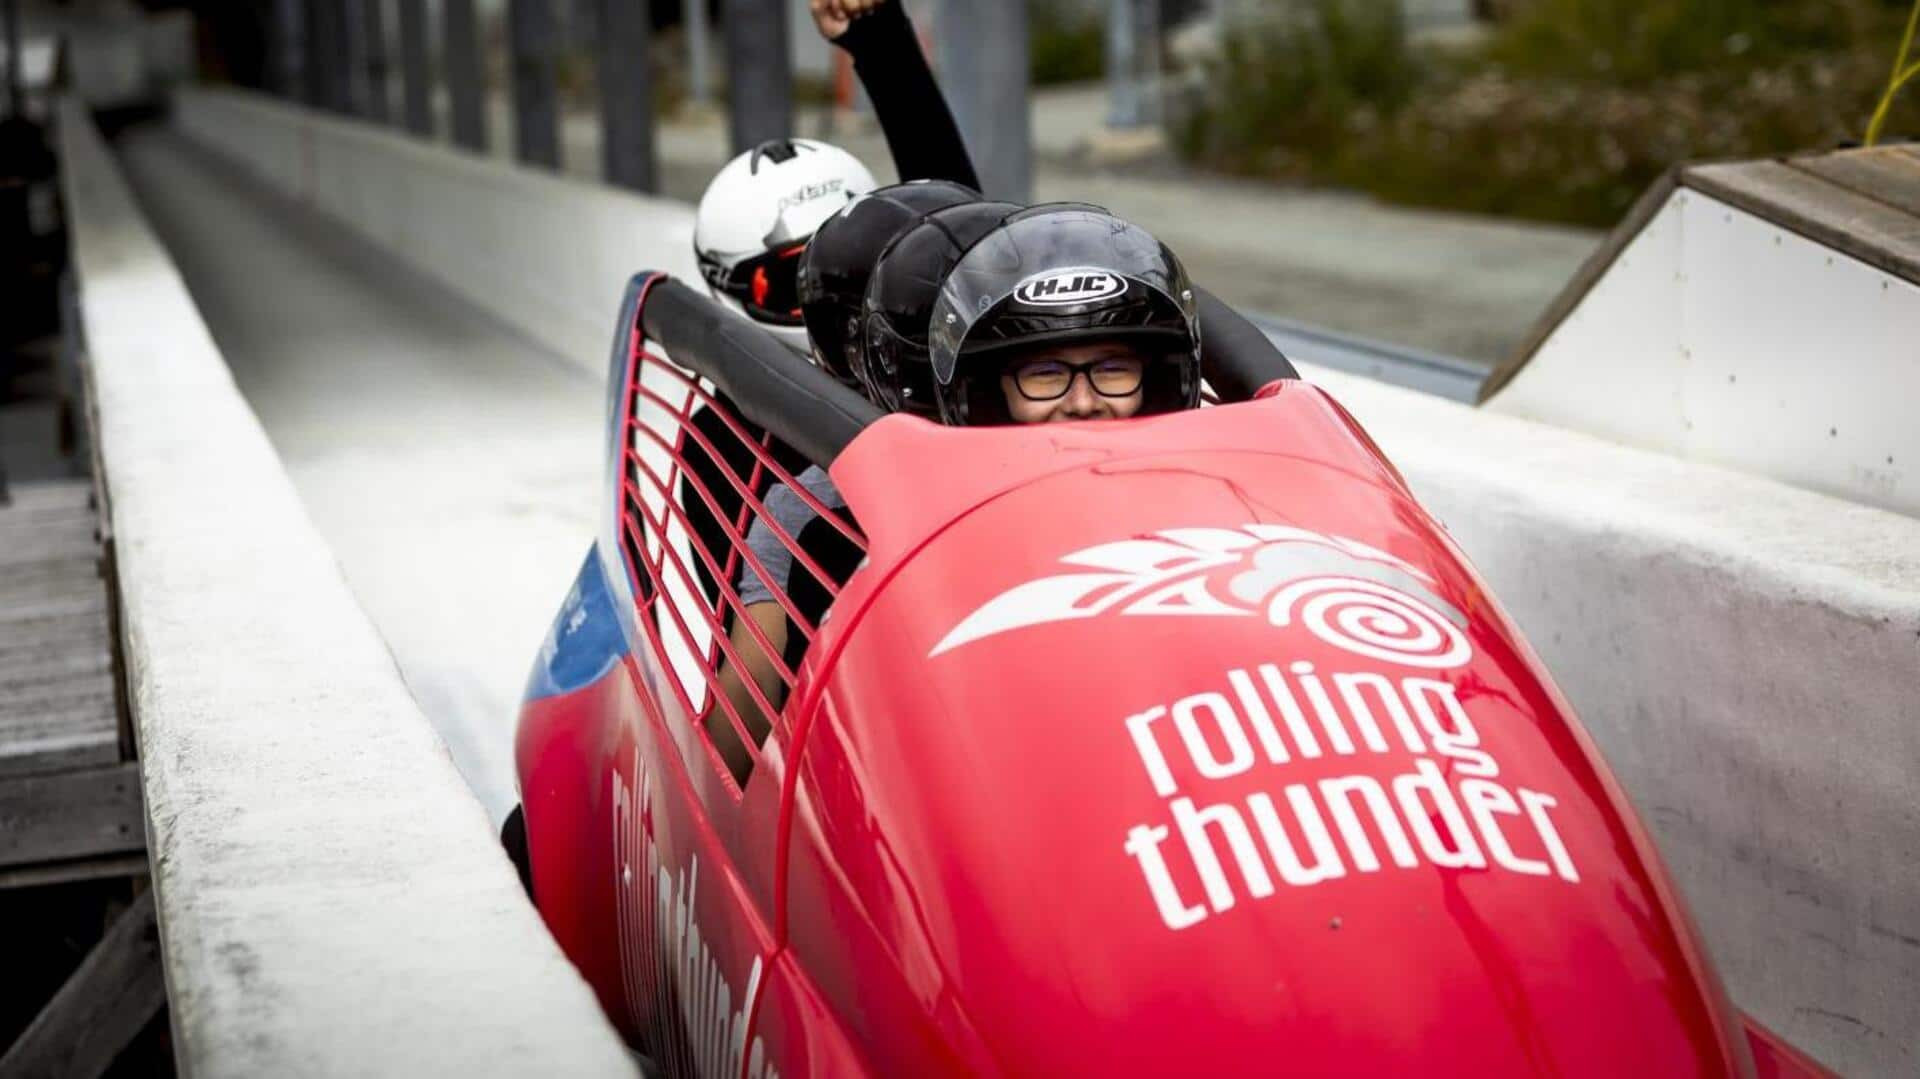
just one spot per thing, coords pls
(1225, 764)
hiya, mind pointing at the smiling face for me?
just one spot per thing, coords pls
(1090, 381)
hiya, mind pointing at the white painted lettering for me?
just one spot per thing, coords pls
(687, 979)
(1193, 824)
(1338, 793)
(1484, 800)
(1143, 843)
(1537, 805)
(1323, 708)
(1387, 695)
(1200, 748)
(1303, 740)
(1445, 809)
(1463, 852)
(1258, 717)
(1454, 737)
(1286, 857)
(1149, 750)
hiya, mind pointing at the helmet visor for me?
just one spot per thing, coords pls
(767, 284)
(1056, 264)
(895, 369)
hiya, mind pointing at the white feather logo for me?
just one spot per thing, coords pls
(1344, 592)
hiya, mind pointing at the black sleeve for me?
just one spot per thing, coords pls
(913, 114)
(1235, 356)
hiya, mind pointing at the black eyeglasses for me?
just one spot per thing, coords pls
(1049, 380)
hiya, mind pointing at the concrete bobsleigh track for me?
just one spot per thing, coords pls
(1747, 652)
(331, 898)
(450, 462)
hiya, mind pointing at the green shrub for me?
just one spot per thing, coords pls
(1639, 41)
(1066, 42)
(1568, 112)
(1575, 152)
(1287, 85)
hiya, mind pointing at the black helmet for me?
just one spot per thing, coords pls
(895, 363)
(1054, 274)
(839, 259)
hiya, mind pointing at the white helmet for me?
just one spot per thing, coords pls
(754, 221)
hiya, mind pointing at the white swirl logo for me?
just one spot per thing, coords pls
(1371, 620)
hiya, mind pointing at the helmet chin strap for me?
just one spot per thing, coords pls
(954, 412)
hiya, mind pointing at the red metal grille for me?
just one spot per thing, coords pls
(694, 480)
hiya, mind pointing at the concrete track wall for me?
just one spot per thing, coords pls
(1748, 656)
(1747, 653)
(332, 900)
(548, 255)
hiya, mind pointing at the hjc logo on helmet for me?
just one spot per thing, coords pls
(1074, 285)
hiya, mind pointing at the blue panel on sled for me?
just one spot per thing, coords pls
(585, 641)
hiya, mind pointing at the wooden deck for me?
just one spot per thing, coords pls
(1863, 202)
(57, 708)
(69, 796)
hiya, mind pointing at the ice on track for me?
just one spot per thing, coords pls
(451, 463)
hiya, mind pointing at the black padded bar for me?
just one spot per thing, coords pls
(1236, 357)
(772, 387)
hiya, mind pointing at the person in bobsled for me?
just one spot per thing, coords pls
(838, 263)
(741, 228)
(892, 362)
(1064, 313)
(836, 278)
(755, 219)
(760, 210)
(1086, 317)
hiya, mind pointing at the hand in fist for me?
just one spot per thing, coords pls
(833, 17)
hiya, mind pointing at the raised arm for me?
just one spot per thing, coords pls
(921, 134)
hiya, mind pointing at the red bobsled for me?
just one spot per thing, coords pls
(1187, 745)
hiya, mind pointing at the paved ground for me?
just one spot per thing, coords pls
(1447, 283)
(450, 463)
